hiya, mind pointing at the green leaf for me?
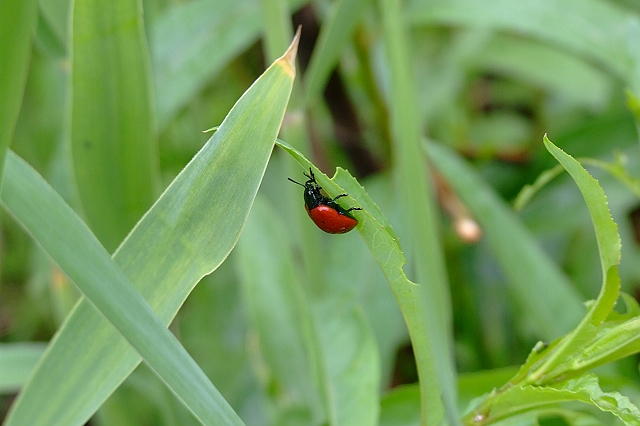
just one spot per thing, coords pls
(334, 34)
(330, 347)
(617, 169)
(377, 235)
(275, 18)
(539, 285)
(605, 228)
(187, 234)
(113, 138)
(598, 30)
(633, 103)
(351, 362)
(528, 60)
(17, 360)
(193, 41)
(519, 399)
(418, 205)
(17, 18)
(612, 343)
(609, 249)
(53, 26)
(279, 311)
(528, 191)
(62, 234)
(401, 407)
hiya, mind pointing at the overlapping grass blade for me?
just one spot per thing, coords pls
(17, 18)
(321, 356)
(16, 362)
(63, 235)
(436, 368)
(113, 138)
(184, 236)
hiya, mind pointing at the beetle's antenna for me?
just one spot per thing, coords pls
(311, 175)
(295, 182)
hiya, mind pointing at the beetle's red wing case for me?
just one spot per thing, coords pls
(330, 220)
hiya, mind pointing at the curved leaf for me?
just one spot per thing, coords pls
(609, 249)
(381, 241)
(537, 282)
(519, 399)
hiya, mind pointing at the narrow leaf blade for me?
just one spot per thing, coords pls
(113, 139)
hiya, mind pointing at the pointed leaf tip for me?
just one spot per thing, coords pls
(288, 60)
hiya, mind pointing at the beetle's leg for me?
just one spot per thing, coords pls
(339, 196)
(354, 208)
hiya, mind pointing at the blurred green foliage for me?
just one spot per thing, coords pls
(486, 79)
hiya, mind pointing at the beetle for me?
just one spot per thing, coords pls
(325, 212)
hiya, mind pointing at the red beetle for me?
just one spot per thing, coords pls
(325, 212)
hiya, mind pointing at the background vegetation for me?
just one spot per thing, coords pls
(107, 100)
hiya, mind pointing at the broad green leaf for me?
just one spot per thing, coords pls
(585, 389)
(609, 248)
(436, 368)
(191, 42)
(17, 18)
(351, 272)
(384, 247)
(528, 60)
(536, 281)
(213, 327)
(401, 407)
(598, 29)
(611, 344)
(279, 312)
(113, 136)
(17, 360)
(334, 35)
(351, 362)
(187, 234)
(275, 19)
(53, 26)
(331, 346)
(63, 235)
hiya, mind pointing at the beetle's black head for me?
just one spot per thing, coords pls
(312, 196)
